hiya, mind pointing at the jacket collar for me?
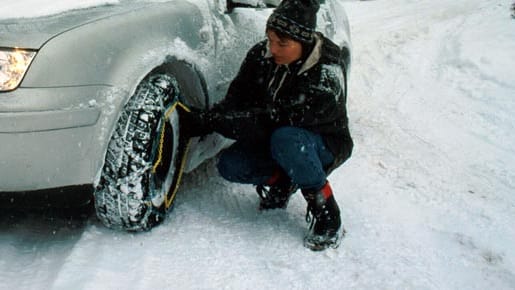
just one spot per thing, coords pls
(313, 58)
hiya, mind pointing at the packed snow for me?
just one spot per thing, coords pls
(427, 197)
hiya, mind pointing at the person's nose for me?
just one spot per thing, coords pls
(273, 49)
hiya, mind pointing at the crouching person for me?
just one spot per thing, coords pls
(286, 109)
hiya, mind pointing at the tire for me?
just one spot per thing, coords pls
(143, 159)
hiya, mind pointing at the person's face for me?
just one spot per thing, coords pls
(284, 50)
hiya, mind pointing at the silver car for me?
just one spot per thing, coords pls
(90, 99)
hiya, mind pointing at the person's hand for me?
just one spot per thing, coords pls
(252, 124)
(196, 122)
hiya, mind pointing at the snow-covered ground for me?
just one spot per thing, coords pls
(428, 198)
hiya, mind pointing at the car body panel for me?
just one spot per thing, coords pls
(104, 53)
(58, 141)
(34, 32)
(22, 122)
(34, 165)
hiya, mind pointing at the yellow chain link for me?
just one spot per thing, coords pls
(162, 137)
(169, 200)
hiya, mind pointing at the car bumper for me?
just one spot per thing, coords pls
(62, 197)
(54, 137)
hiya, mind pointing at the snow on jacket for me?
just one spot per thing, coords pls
(309, 94)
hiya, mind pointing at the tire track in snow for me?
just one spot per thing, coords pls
(35, 246)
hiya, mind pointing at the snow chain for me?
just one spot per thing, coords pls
(169, 200)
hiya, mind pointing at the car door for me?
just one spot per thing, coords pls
(242, 23)
(233, 32)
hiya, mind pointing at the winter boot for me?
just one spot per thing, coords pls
(276, 192)
(324, 215)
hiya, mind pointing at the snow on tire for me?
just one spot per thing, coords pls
(140, 164)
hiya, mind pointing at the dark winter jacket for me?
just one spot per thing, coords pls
(309, 94)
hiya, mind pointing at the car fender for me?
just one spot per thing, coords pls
(117, 51)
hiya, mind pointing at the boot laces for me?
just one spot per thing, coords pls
(310, 216)
(262, 191)
(274, 196)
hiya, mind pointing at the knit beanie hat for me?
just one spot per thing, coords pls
(295, 18)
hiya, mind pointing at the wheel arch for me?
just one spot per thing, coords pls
(192, 83)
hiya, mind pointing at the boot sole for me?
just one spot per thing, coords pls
(320, 243)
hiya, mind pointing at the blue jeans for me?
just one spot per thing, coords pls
(300, 153)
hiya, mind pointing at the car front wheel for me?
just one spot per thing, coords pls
(143, 160)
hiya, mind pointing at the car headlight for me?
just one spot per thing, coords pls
(13, 65)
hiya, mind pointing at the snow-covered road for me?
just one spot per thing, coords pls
(427, 198)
